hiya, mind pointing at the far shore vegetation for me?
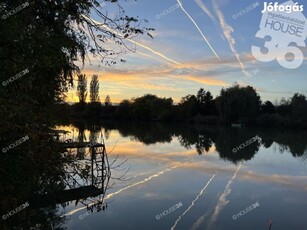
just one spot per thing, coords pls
(234, 105)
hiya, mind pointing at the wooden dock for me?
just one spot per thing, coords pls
(41, 201)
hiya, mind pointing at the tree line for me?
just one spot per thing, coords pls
(235, 104)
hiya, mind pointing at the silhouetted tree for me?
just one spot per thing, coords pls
(82, 88)
(150, 107)
(201, 101)
(188, 106)
(268, 107)
(237, 102)
(124, 110)
(206, 104)
(299, 109)
(107, 101)
(94, 89)
(46, 41)
(283, 107)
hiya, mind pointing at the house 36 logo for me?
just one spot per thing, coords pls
(283, 34)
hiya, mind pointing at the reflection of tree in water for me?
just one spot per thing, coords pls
(107, 133)
(203, 144)
(26, 175)
(47, 179)
(95, 130)
(81, 138)
(229, 139)
(201, 139)
(89, 179)
(147, 133)
(288, 140)
(204, 137)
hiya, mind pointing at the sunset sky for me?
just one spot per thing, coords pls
(179, 60)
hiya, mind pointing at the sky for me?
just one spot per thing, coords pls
(198, 43)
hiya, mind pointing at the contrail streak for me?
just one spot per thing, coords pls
(227, 30)
(193, 202)
(201, 219)
(148, 56)
(205, 9)
(159, 60)
(132, 41)
(197, 27)
(125, 188)
(222, 200)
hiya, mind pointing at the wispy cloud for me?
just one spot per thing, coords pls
(146, 76)
(206, 81)
(227, 30)
(197, 27)
(222, 200)
(205, 9)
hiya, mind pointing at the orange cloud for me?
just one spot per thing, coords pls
(123, 83)
(207, 81)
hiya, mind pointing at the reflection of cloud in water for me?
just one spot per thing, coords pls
(200, 220)
(222, 200)
(138, 151)
(129, 186)
(193, 202)
(292, 182)
(141, 182)
(129, 179)
(284, 180)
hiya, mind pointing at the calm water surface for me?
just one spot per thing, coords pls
(184, 177)
(172, 177)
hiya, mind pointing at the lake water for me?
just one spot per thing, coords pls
(184, 176)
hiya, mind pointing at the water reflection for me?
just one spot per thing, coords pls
(59, 185)
(48, 184)
(203, 138)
